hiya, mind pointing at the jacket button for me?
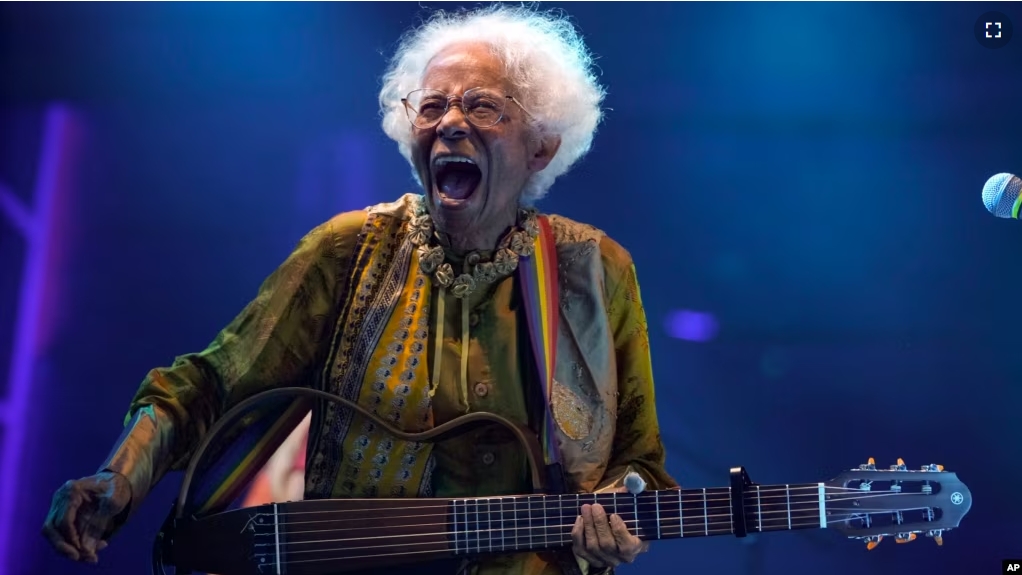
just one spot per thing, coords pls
(481, 389)
(488, 458)
(473, 319)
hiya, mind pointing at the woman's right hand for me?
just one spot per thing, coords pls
(85, 512)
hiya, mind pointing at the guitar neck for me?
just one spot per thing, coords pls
(545, 521)
(331, 536)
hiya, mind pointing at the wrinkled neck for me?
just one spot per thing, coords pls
(458, 243)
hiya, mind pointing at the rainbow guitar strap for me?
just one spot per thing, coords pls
(538, 274)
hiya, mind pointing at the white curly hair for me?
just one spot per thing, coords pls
(546, 60)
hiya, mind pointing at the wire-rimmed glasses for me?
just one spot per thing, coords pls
(482, 107)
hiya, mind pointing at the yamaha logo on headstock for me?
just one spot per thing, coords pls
(1011, 566)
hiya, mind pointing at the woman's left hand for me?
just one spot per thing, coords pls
(602, 540)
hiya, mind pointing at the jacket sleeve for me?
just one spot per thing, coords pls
(280, 339)
(637, 445)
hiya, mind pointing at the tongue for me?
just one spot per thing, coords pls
(458, 185)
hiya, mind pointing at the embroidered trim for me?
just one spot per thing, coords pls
(518, 242)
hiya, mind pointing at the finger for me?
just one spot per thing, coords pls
(67, 501)
(607, 550)
(629, 546)
(603, 530)
(89, 549)
(577, 539)
(58, 543)
(102, 545)
(592, 542)
(578, 546)
(67, 551)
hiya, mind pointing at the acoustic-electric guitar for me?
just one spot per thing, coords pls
(331, 536)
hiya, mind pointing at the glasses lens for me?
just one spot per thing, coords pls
(425, 107)
(484, 108)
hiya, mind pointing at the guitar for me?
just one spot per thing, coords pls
(346, 535)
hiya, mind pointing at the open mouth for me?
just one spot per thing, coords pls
(456, 177)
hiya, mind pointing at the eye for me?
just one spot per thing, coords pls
(484, 102)
(432, 104)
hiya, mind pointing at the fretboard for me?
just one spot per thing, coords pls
(519, 523)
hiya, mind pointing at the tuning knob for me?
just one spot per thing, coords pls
(872, 542)
(870, 465)
(936, 535)
(932, 467)
(905, 538)
(900, 466)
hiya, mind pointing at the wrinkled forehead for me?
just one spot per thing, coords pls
(459, 67)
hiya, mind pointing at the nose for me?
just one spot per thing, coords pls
(453, 125)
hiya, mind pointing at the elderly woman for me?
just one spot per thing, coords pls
(414, 309)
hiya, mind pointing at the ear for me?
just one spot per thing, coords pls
(544, 151)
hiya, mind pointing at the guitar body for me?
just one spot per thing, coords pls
(318, 538)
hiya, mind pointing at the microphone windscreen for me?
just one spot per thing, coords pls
(1000, 194)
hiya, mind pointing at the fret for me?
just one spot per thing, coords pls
(681, 517)
(731, 510)
(500, 523)
(489, 525)
(706, 515)
(466, 510)
(542, 502)
(759, 509)
(515, 514)
(457, 532)
(613, 509)
(565, 512)
(787, 495)
(476, 526)
(656, 497)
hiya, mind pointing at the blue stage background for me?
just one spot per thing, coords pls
(799, 185)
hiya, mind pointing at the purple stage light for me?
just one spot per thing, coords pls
(36, 224)
(691, 325)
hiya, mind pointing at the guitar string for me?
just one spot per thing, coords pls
(697, 494)
(446, 549)
(697, 527)
(494, 516)
(645, 498)
(488, 512)
(481, 517)
(795, 517)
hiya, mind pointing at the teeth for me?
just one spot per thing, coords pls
(444, 160)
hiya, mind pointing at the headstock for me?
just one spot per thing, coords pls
(869, 503)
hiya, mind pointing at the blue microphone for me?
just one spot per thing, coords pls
(1002, 195)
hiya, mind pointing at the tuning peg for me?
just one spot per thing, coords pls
(932, 467)
(936, 535)
(909, 537)
(900, 466)
(872, 542)
(870, 465)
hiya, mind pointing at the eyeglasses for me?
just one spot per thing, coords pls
(482, 108)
